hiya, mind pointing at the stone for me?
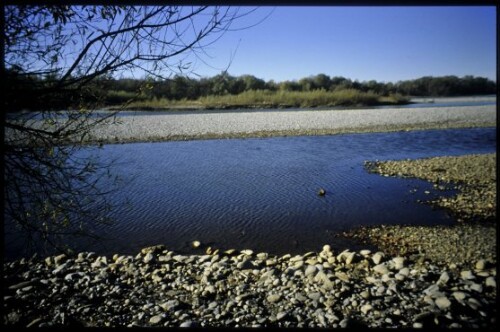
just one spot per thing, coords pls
(377, 257)
(398, 262)
(459, 296)
(60, 269)
(342, 276)
(169, 305)
(196, 244)
(480, 264)
(59, 259)
(273, 298)
(466, 275)
(281, 315)
(148, 258)
(365, 294)
(476, 287)
(327, 248)
(349, 257)
(156, 319)
(188, 323)
(310, 270)
(21, 285)
(444, 278)
(314, 296)
(365, 308)
(442, 303)
(381, 269)
(247, 252)
(404, 271)
(365, 252)
(323, 279)
(418, 325)
(48, 261)
(490, 282)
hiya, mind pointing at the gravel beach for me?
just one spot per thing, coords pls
(176, 126)
(418, 277)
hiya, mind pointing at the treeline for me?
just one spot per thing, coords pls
(225, 90)
(180, 87)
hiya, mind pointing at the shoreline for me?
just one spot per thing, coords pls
(417, 277)
(169, 127)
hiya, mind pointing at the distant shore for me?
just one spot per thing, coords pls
(166, 127)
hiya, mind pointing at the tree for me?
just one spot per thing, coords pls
(61, 57)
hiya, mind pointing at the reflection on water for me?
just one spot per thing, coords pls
(262, 193)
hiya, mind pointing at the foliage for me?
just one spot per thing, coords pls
(58, 62)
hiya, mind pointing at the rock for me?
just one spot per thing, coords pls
(365, 252)
(365, 294)
(459, 296)
(169, 305)
(273, 298)
(60, 269)
(444, 278)
(473, 303)
(48, 261)
(467, 275)
(196, 244)
(21, 285)
(247, 252)
(323, 279)
(327, 248)
(377, 257)
(314, 296)
(34, 322)
(442, 303)
(398, 262)
(404, 271)
(417, 325)
(342, 276)
(156, 319)
(366, 308)
(381, 269)
(476, 287)
(480, 264)
(188, 324)
(281, 315)
(148, 258)
(310, 270)
(490, 282)
(59, 259)
(349, 258)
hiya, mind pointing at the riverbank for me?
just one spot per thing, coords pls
(473, 175)
(417, 277)
(158, 287)
(164, 127)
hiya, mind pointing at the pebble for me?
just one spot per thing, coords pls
(179, 289)
(365, 308)
(480, 264)
(377, 257)
(274, 298)
(491, 282)
(381, 269)
(442, 303)
(156, 319)
(467, 275)
(310, 270)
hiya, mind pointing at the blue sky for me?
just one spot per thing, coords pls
(386, 44)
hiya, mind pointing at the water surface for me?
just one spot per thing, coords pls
(262, 193)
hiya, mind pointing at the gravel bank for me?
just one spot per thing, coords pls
(271, 123)
(158, 287)
(473, 175)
